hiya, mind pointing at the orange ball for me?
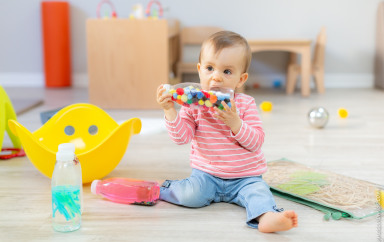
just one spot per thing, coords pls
(213, 98)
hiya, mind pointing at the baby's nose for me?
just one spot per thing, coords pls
(217, 76)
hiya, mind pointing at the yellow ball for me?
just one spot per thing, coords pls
(343, 113)
(208, 103)
(380, 197)
(184, 98)
(266, 106)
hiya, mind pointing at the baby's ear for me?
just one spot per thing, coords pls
(243, 79)
(198, 66)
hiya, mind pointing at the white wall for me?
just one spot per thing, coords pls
(350, 29)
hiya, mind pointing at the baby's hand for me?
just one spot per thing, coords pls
(164, 99)
(229, 116)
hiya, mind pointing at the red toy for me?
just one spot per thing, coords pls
(15, 152)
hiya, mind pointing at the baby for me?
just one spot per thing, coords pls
(226, 157)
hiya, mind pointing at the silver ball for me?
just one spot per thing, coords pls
(318, 117)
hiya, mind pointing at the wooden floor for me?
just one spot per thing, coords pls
(353, 147)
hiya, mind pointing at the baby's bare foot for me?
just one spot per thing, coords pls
(272, 222)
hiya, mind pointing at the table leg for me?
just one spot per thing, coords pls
(305, 71)
(293, 70)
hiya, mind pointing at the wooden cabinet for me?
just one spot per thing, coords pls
(128, 59)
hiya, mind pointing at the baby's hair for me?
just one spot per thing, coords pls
(224, 39)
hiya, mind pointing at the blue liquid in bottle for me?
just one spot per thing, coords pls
(66, 209)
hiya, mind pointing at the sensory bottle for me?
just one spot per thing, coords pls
(125, 190)
(66, 192)
(191, 95)
(71, 147)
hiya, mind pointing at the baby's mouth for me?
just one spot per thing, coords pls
(214, 87)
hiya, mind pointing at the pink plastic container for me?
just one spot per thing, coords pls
(125, 190)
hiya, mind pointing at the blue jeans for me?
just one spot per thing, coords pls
(201, 189)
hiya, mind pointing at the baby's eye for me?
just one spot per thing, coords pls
(227, 72)
(210, 68)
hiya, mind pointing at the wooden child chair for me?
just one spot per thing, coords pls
(317, 68)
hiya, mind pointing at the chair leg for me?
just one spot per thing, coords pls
(319, 79)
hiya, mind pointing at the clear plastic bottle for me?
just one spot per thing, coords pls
(71, 147)
(66, 192)
(125, 190)
(191, 95)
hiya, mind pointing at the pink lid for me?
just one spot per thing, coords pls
(94, 185)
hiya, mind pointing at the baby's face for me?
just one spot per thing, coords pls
(223, 69)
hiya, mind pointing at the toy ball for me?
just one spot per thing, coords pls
(380, 197)
(276, 83)
(318, 117)
(256, 85)
(343, 113)
(266, 106)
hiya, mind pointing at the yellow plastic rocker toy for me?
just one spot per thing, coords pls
(99, 140)
(7, 112)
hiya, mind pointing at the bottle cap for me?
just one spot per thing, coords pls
(94, 185)
(66, 152)
(65, 155)
(67, 146)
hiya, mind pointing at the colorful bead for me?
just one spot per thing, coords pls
(220, 96)
(208, 103)
(193, 96)
(213, 98)
(206, 94)
(184, 98)
(200, 95)
(180, 91)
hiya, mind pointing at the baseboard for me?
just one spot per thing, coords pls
(81, 80)
(330, 80)
(37, 80)
(21, 79)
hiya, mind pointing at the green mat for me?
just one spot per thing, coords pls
(336, 195)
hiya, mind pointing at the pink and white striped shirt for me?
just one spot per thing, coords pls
(215, 149)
